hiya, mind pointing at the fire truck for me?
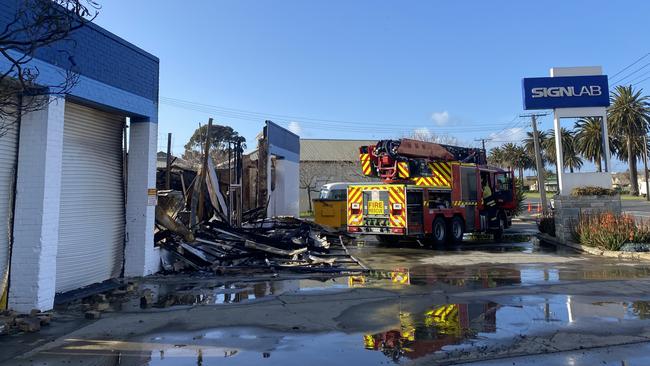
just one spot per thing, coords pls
(429, 191)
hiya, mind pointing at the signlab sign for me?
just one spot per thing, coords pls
(566, 92)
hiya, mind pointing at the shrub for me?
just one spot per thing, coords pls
(610, 231)
(520, 197)
(546, 225)
(593, 191)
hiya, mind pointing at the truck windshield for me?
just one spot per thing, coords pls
(334, 194)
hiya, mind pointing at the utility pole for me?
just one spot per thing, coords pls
(538, 161)
(483, 143)
(645, 167)
(484, 151)
(204, 172)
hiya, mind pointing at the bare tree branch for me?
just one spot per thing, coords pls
(38, 24)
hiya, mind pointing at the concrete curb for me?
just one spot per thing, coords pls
(595, 251)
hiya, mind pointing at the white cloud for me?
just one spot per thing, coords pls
(440, 118)
(516, 135)
(295, 127)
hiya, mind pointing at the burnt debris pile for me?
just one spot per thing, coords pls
(263, 245)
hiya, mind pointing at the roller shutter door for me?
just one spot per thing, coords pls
(8, 145)
(92, 223)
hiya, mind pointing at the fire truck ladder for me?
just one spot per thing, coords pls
(399, 160)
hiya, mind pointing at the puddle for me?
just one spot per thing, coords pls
(435, 329)
(420, 278)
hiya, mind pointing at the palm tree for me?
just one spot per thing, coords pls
(571, 157)
(496, 157)
(572, 160)
(529, 143)
(589, 139)
(629, 115)
(517, 158)
(529, 146)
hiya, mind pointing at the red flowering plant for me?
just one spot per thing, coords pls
(609, 231)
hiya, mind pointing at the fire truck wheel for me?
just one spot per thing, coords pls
(439, 231)
(456, 230)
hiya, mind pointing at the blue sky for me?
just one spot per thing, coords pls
(369, 69)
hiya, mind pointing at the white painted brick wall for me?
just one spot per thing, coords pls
(140, 257)
(36, 222)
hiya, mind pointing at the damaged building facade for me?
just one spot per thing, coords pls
(271, 172)
(76, 210)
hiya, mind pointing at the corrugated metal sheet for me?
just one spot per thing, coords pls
(7, 172)
(91, 231)
(331, 150)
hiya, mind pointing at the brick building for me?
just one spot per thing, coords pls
(74, 211)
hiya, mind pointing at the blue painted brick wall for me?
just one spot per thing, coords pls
(99, 55)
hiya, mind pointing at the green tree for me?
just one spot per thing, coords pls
(573, 161)
(517, 158)
(220, 137)
(589, 140)
(629, 116)
(529, 146)
(572, 158)
(529, 143)
(496, 157)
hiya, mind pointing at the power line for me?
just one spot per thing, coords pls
(237, 113)
(630, 65)
(639, 77)
(314, 123)
(631, 74)
(637, 83)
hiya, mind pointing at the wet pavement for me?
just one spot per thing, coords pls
(517, 302)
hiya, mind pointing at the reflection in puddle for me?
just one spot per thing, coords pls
(421, 278)
(437, 328)
(429, 332)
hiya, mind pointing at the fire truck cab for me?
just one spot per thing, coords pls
(440, 206)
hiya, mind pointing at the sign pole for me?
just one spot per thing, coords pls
(645, 167)
(559, 153)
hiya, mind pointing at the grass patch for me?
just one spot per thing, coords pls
(533, 194)
(628, 197)
(624, 197)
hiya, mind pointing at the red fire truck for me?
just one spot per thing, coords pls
(429, 191)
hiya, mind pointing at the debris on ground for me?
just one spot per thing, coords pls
(12, 322)
(206, 228)
(261, 245)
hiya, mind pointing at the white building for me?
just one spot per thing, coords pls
(75, 213)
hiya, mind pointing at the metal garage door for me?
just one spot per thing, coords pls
(91, 232)
(8, 152)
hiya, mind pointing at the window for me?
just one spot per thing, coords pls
(468, 184)
(502, 183)
(338, 194)
(334, 194)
